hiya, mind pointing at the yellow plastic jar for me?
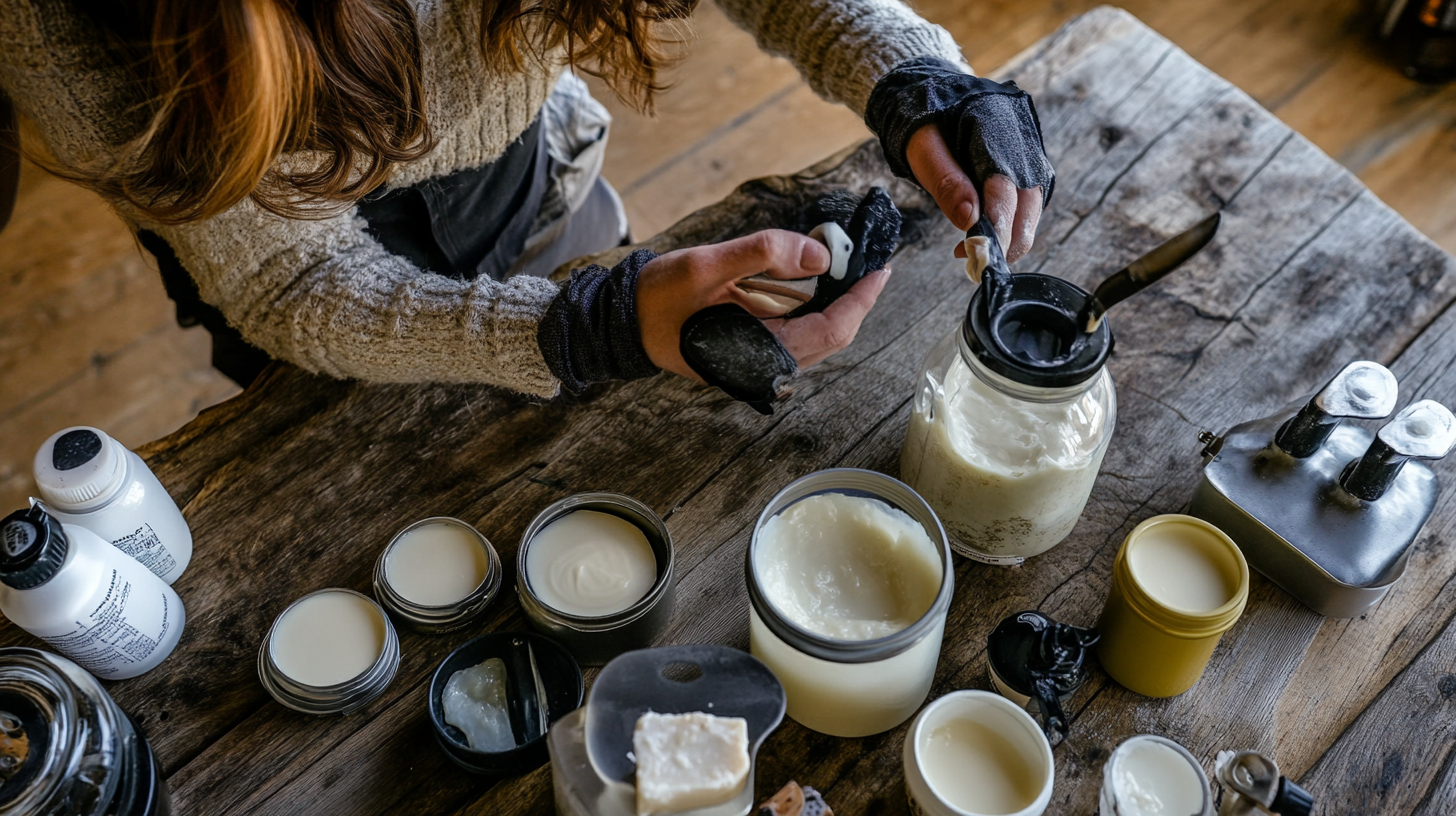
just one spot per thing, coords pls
(1178, 584)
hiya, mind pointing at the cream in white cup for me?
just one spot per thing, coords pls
(975, 753)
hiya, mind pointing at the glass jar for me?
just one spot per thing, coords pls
(65, 746)
(1004, 449)
(850, 688)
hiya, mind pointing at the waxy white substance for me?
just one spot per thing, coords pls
(328, 638)
(1151, 779)
(436, 564)
(1009, 478)
(975, 768)
(590, 564)
(847, 567)
(1183, 567)
(688, 761)
(475, 702)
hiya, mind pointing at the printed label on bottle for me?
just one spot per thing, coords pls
(107, 640)
(145, 546)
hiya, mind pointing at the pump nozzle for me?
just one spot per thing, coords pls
(1362, 390)
(1424, 430)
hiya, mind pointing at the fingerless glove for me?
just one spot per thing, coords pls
(990, 127)
(590, 332)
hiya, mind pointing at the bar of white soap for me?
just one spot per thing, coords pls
(688, 761)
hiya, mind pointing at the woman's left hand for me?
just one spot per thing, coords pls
(1014, 213)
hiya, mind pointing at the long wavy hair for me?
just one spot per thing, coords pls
(336, 85)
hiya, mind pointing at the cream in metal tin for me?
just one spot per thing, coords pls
(316, 657)
(595, 639)
(437, 574)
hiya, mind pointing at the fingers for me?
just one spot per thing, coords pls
(813, 337)
(781, 253)
(1028, 215)
(941, 176)
(1001, 200)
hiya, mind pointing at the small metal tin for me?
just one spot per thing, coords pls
(596, 640)
(341, 698)
(449, 617)
(543, 683)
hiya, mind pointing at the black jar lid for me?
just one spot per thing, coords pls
(1031, 334)
(32, 548)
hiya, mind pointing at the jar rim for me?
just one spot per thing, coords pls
(1023, 391)
(1172, 620)
(876, 485)
(606, 502)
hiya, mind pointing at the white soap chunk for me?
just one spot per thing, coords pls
(688, 761)
(475, 702)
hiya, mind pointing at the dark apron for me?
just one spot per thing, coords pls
(461, 226)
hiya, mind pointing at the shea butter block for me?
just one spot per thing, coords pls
(688, 761)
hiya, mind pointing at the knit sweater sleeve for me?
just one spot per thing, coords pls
(842, 47)
(329, 298)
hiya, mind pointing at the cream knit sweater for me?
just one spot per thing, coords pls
(324, 294)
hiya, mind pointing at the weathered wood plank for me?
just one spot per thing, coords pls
(299, 482)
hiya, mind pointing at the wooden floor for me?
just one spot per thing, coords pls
(87, 335)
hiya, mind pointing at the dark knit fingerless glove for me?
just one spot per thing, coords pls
(590, 332)
(990, 127)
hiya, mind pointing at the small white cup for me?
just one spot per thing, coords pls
(980, 711)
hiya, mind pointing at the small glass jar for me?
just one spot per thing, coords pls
(850, 688)
(595, 640)
(336, 698)
(445, 617)
(1006, 451)
(1178, 584)
(65, 746)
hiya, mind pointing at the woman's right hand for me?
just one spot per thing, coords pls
(673, 287)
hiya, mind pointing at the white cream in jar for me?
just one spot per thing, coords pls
(1183, 568)
(1153, 776)
(589, 564)
(328, 638)
(436, 564)
(849, 569)
(1008, 477)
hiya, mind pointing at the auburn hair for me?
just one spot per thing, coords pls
(305, 106)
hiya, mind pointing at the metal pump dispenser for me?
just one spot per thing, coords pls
(1320, 507)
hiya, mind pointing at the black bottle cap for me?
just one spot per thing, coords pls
(1032, 336)
(1292, 800)
(32, 548)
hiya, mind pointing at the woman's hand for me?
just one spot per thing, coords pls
(673, 287)
(1014, 213)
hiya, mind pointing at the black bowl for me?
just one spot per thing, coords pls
(560, 678)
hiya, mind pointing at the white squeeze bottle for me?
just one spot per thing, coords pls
(85, 598)
(88, 479)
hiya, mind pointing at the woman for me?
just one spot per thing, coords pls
(374, 189)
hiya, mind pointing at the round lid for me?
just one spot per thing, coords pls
(78, 465)
(1031, 334)
(32, 548)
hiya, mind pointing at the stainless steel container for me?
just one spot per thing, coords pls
(596, 640)
(1326, 510)
(340, 698)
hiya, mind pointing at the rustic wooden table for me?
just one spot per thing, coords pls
(297, 484)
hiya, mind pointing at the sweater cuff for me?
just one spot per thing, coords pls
(590, 332)
(991, 127)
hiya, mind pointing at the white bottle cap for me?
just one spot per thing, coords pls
(78, 466)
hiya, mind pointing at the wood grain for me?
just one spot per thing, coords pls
(297, 483)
